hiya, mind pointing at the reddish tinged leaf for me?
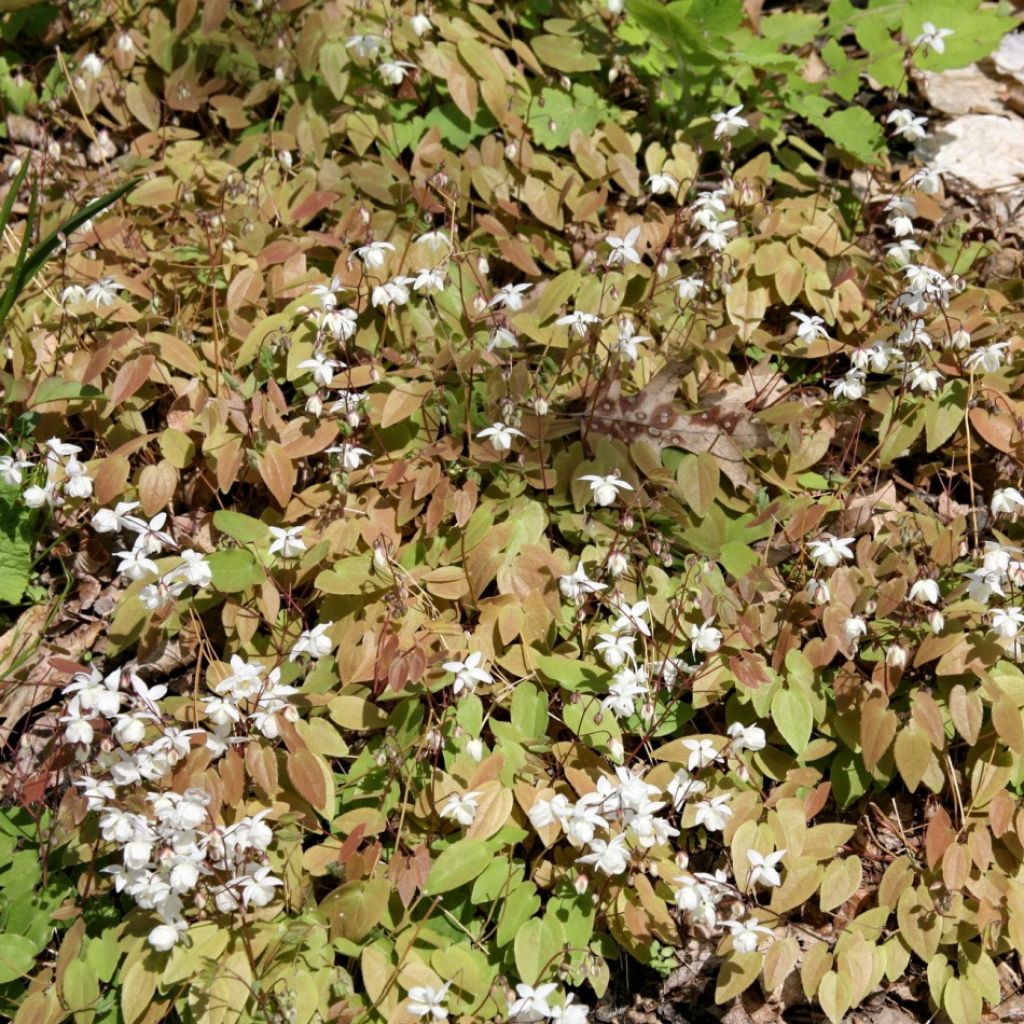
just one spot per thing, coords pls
(278, 472)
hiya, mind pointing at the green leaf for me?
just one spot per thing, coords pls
(242, 528)
(458, 864)
(538, 948)
(15, 546)
(553, 123)
(570, 674)
(962, 1001)
(944, 413)
(53, 389)
(855, 132)
(792, 714)
(529, 711)
(17, 956)
(233, 571)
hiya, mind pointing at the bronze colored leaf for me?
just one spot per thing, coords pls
(278, 472)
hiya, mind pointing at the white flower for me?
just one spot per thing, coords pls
(287, 541)
(340, 323)
(851, 386)
(135, 564)
(166, 936)
(430, 280)
(92, 65)
(322, 368)
(532, 1004)
(631, 618)
(688, 288)
(367, 47)
(809, 327)
(713, 814)
(924, 380)
(393, 72)
(716, 237)
(375, 254)
(103, 292)
(745, 934)
(462, 808)
(702, 753)
(571, 1012)
(10, 470)
(258, 888)
(854, 628)
(618, 563)
(682, 786)
(904, 123)
(501, 338)
(421, 25)
(578, 583)
(36, 496)
(315, 642)
(896, 656)
(425, 1000)
(623, 248)
(983, 583)
(625, 688)
(1007, 500)
(436, 239)
(350, 456)
(706, 638)
(932, 37)
(628, 345)
(610, 857)
(615, 649)
(661, 183)
(747, 737)
(578, 322)
(501, 436)
(926, 180)
(511, 296)
(605, 489)
(394, 292)
(764, 870)
(468, 673)
(903, 251)
(926, 591)
(818, 592)
(71, 295)
(1007, 622)
(328, 293)
(989, 358)
(475, 749)
(876, 357)
(831, 551)
(114, 520)
(728, 123)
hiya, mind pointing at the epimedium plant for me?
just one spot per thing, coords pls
(517, 526)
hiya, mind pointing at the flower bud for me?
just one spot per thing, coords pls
(541, 406)
(896, 656)
(937, 621)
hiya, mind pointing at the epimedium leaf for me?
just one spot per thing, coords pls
(792, 714)
(457, 865)
(234, 570)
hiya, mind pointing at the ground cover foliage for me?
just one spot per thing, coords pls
(499, 500)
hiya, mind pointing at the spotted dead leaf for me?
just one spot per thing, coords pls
(724, 428)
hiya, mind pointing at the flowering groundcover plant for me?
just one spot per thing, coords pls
(467, 525)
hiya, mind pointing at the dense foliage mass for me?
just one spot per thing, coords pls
(492, 493)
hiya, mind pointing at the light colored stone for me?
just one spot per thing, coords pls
(982, 149)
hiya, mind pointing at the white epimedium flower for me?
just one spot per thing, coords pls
(287, 541)
(11, 468)
(809, 327)
(421, 25)
(365, 47)
(500, 436)
(392, 293)
(932, 38)
(876, 357)
(430, 280)
(903, 251)
(511, 296)
(1007, 622)
(926, 180)
(746, 737)
(436, 240)
(349, 455)
(394, 72)
(922, 379)
(988, 359)
(746, 935)
(764, 869)
(818, 592)
(624, 690)
(688, 288)
(831, 551)
(375, 254)
(572, 1012)
(854, 628)
(661, 183)
(615, 648)
(609, 857)
(706, 638)
(257, 889)
(341, 324)
(103, 292)
(315, 642)
(468, 673)
(578, 322)
(983, 584)
(605, 489)
(501, 338)
(116, 519)
(850, 386)
(905, 124)
(578, 583)
(925, 592)
(164, 937)
(72, 295)
(729, 123)
(683, 786)
(532, 1003)
(427, 1001)
(461, 807)
(1007, 501)
(717, 236)
(902, 210)
(92, 65)
(702, 753)
(327, 294)
(631, 618)
(321, 368)
(629, 342)
(713, 814)
(161, 594)
(136, 563)
(623, 248)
